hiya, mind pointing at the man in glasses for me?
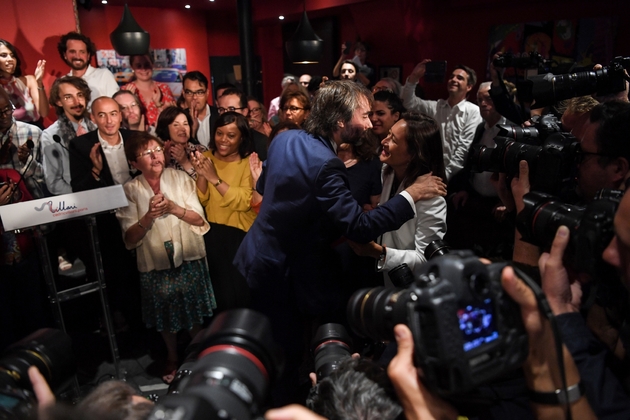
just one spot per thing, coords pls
(133, 111)
(69, 95)
(233, 100)
(77, 50)
(203, 115)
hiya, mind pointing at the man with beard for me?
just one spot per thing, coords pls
(70, 96)
(77, 50)
(286, 256)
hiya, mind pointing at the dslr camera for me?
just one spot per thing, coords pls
(547, 89)
(466, 330)
(551, 155)
(591, 226)
(532, 60)
(50, 351)
(231, 379)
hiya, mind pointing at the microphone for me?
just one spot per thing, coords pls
(73, 152)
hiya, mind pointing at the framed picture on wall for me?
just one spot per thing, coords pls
(395, 72)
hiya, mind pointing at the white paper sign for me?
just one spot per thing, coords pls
(62, 207)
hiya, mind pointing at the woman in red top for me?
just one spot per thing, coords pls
(154, 95)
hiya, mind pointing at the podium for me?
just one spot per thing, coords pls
(50, 210)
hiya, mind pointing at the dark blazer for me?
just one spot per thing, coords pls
(307, 205)
(81, 165)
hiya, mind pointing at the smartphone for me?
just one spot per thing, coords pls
(436, 72)
(348, 45)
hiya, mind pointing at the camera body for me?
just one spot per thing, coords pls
(466, 330)
(551, 155)
(591, 226)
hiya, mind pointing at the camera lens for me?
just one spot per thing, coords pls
(330, 345)
(374, 312)
(48, 349)
(401, 276)
(232, 377)
(435, 249)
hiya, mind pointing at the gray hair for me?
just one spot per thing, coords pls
(334, 103)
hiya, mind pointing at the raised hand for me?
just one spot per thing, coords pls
(40, 70)
(96, 157)
(418, 72)
(178, 152)
(205, 167)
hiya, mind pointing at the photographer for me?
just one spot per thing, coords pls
(564, 293)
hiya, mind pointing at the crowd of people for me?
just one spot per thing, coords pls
(290, 211)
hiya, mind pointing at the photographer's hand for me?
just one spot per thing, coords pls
(563, 294)
(417, 401)
(45, 397)
(292, 412)
(541, 367)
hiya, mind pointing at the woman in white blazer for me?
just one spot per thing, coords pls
(412, 148)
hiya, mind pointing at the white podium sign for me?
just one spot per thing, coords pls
(62, 207)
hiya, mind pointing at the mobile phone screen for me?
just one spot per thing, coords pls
(436, 72)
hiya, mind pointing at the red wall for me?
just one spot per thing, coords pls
(22, 26)
(168, 29)
(403, 32)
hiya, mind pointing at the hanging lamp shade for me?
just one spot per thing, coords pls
(129, 38)
(305, 47)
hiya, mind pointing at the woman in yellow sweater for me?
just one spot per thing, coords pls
(225, 189)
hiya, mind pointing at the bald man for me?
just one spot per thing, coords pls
(100, 159)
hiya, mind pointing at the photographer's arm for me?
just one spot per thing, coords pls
(417, 401)
(524, 252)
(603, 389)
(542, 373)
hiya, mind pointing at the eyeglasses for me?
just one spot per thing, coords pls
(195, 93)
(148, 152)
(255, 110)
(292, 109)
(130, 106)
(143, 66)
(68, 98)
(7, 111)
(229, 108)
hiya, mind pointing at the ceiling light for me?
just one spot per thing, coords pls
(187, 6)
(305, 47)
(281, 17)
(104, 1)
(129, 38)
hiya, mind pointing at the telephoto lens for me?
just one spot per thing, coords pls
(233, 374)
(330, 345)
(436, 248)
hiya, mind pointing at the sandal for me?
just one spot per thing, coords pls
(169, 372)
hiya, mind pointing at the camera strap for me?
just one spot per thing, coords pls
(545, 309)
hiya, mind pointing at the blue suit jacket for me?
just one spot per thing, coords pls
(307, 205)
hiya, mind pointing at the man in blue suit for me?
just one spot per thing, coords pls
(286, 256)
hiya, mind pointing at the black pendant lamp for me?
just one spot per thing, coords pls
(129, 38)
(305, 47)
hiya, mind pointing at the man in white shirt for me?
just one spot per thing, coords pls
(457, 117)
(69, 95)
(77, 50)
